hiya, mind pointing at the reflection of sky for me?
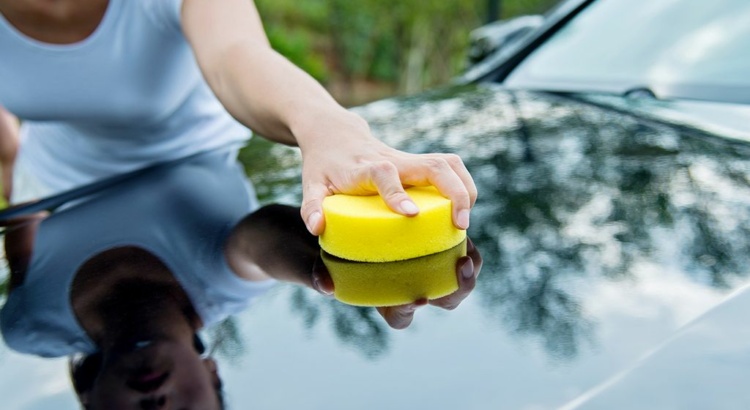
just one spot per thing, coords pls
(707, 47)
(446, 360)
(30, 383)
(642, 43)
(702, 367)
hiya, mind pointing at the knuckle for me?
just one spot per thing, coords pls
(393, 195)
(469, 287)
(461, 197)
(453, 159)
(473, 193)
(307, 206)
(436, 164)
(400, 324)
(382, 168)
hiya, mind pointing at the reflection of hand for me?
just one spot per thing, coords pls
(400, 317)
(348, 159)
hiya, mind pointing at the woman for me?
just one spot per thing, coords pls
(107, 86)
(129, 276)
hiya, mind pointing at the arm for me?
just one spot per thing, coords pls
(19, 246)
(272, 242)
(8, 149)
(267, 93)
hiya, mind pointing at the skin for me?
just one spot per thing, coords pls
(126, 294)
(190, 384)
(267, 93)
(273, 243)
(8, 149)
(122, 295)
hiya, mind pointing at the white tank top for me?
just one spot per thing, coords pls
(173, 213)
(129, 95)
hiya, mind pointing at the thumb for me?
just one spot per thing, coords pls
(312, 207)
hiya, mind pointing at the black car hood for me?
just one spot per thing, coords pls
(605, 230)
(580, 190)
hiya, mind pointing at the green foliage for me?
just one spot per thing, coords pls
(3, 202)
(407, 43)
(295, 45)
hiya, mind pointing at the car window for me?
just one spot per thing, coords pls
(682, 47)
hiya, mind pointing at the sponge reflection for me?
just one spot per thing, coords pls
(395, 283)
(397, 289)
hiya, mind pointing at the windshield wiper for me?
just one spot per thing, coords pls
(640, 92)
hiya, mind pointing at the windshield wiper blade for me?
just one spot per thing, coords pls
(640, 92)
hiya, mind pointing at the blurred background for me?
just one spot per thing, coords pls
(363, 50)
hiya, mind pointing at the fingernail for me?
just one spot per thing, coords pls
(463, 219)
(467, 270)
(409, 208)
(318, 286)
(313, 221)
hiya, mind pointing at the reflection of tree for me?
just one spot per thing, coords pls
(4, 276)
(225, 339)
(570, 191)
(356, 326)
(274, 170)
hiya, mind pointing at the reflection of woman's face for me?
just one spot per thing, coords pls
(165, 375)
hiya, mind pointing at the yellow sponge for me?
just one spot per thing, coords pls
(394, 283)
(363, 228)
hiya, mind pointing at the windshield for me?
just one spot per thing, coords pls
(675, 48)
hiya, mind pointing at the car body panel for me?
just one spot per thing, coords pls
(604, 234)
(704, 366)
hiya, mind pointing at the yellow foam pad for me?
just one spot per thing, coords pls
(394, 283)
(363, 228)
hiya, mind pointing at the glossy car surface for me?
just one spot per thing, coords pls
(615, 233)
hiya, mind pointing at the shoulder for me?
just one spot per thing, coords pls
(25, 330)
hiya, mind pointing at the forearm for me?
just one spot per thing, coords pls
(272, 243)
(278, 100)
(258, 86)
(275, 98)
(8, 148)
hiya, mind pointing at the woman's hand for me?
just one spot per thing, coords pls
(340, 155)
(400, 317)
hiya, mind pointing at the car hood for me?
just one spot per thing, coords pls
(597, 215)
(605, 232)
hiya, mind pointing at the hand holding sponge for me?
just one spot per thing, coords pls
(363, 229)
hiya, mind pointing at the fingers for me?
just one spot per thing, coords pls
(312, 207)
(467, 271)
(388, 177)
(400, 317)
(321, 280)
(458, 166)
(385, 176)
(476, 257)
(447, 173)
(466, 275)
